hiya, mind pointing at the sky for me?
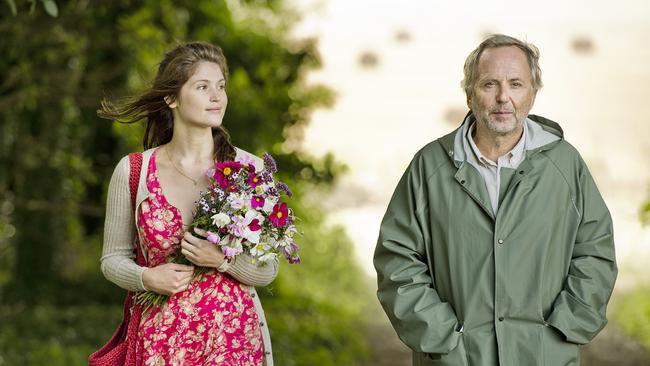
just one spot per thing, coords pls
(396, 69)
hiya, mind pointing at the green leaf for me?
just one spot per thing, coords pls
(645, 213)
(12, 5)
(51, 8)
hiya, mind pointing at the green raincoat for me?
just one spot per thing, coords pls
(524, 288)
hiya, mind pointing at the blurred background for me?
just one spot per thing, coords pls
(343, 93)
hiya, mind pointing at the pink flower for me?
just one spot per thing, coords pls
(257, 201)
(279, 214)
(245, 159)
(229, 252)
(213, 238)
(254, 180)
(236, 230)
(235, 201)
(254, 225)
(223, 173)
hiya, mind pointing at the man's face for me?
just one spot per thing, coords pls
(503, 91)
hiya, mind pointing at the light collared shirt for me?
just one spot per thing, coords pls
(490, 170)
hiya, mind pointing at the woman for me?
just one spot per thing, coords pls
(217, 320)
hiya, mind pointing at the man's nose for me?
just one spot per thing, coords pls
(503, 95)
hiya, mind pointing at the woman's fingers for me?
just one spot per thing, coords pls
(180, 267)
(168, 279)
(191, 238)
(201, 232)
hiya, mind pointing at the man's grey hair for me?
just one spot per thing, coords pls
(470, 70)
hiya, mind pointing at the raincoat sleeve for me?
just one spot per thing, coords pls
(579, 310)
(405, 285)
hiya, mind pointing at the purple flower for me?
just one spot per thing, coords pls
(269, 163)
(266, 176)
(272, 191)
(290, 252)
(285, 188)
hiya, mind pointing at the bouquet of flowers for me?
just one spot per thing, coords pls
(242, 212)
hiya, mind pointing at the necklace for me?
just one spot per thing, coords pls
(178, 170)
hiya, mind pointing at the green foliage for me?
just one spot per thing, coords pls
(57, 156)
(632, 312)
(49, 335)
(49, 6)
(644, 213)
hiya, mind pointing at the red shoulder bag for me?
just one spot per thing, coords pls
(120, 349)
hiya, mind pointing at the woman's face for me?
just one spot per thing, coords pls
(202, 100)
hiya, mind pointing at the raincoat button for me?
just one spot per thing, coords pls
(253, 294)
(261, 324)
(500, 241)
(521, 172)
(462, 181)
(501, 318)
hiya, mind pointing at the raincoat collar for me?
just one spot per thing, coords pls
(542, 133)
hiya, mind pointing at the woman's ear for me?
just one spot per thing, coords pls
(171, 102)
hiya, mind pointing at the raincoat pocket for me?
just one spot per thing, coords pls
(455, 357)
(556, 350)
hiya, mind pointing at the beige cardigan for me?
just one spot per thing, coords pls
(118, 260)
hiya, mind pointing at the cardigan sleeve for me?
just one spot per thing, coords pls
(118, 255)
(247, 272)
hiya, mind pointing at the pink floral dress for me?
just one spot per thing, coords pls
(213, 322)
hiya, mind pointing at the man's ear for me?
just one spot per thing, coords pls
(171, 102)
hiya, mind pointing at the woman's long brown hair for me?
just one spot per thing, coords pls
(175, 69)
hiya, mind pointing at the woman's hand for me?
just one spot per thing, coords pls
(167, 279)
(200, 251)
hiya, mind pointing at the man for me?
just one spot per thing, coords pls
(496, 247)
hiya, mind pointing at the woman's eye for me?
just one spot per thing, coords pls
(202, 87)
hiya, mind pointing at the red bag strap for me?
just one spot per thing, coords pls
(120, 349)
(135, 161)
(133, 313)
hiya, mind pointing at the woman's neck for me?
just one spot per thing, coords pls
(191, 145)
